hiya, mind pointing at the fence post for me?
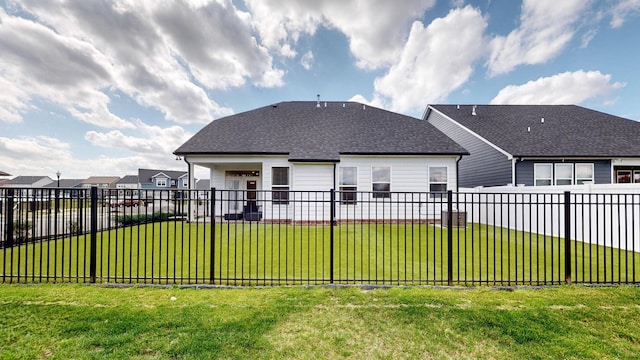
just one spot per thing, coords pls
(567, 237)
(94, 234)
(450, 238)
(212, 239)
(8, 241)
(332, 215)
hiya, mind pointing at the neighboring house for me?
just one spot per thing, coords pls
(128, 186)
(537, 145)
(69, 186)
(318, 146)
(28, 182)
(151, 180)
(102, 182)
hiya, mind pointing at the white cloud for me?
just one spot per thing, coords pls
(165, 55)
(623, 10)
(376, 29)
(307, 60)
(148, 140)
(38, 62)
(33, 155)
(546, 27)
(435, 61)
(561, 89)
(42, 155)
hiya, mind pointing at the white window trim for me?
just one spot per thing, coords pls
(281, 187)
(555, 173)
(429, 182)
(161, 182)
(535, 174)
(341, 186)
(593, 173)
(387, 193)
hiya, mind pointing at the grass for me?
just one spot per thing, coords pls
(267, 254)
(92, 322)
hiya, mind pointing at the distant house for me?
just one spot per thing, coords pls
(2, 173)
(318, 146)
(128, 186)
(69, 186)
(102, 183)
(27, 183)
(539, 145)
(151, 180)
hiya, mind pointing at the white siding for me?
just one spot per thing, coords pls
(312, 177)
(409, 174)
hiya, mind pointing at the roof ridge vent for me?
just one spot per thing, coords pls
(473, 110)
(318, 103)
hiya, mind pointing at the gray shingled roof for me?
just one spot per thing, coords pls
(309, 133)
(567, 130)
(128, 179)
(66, 183)
(26, 180)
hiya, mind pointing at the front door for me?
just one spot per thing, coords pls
(252, 195)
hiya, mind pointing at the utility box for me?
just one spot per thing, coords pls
(458, 218)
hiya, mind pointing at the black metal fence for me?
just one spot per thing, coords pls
(255, 237)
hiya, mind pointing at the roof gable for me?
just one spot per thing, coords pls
(146, 176)
(128, 179)
(549, 130)
(311, 131)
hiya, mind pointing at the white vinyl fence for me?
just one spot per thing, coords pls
(607, 215)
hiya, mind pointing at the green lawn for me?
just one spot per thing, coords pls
(268, 254)
(93, 322)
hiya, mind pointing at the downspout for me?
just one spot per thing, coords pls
(514, 178)
(189, 173)
(334, 175)
(189, 187)
(458, 173)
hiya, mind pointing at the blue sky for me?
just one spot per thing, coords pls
(107, 87)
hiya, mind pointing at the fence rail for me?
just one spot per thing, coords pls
(258, 237)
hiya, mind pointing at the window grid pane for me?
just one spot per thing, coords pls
(280, 176)
(584, 172)
(348, 176)
(543, 174)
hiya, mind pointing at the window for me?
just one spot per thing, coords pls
(437, 181)
(636, 176)
(348, 185)
(381, 181)
(280, 185)
(161, 182)
(623, 176)
(564, 174)
(584, 173)
(543, 174)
